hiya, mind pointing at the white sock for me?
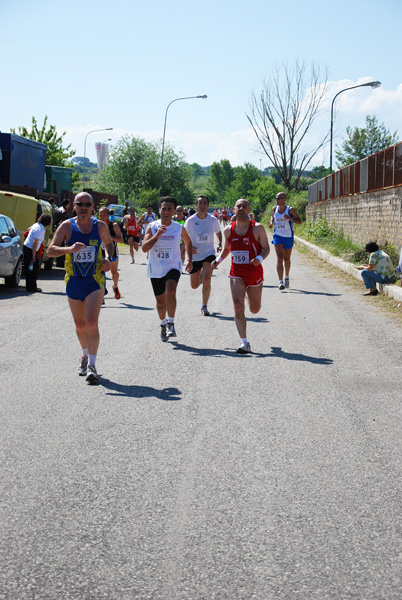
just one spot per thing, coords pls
(170, 319)
(91, 359)
(163, 321)
(244, 341)
(84, 352)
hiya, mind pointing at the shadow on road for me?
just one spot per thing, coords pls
(214, 352)
(51, 275)
(140, 391)
(218, 315)
(279, 353)
(306, 292)
(20, 291)
(125, 305)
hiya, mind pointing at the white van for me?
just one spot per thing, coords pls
(24, 211)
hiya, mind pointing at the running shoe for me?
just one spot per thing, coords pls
(171, 332)
(205, 311)
(132, 260)
(286, 282)
(83, 366)
(244, 349)
(164, 337)
(281, 285)
(116, 292)
(92, 375)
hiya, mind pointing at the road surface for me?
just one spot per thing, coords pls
(194, 473)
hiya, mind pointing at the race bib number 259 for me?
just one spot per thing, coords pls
(240, 257)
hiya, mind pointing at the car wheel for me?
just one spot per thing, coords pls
(14, 279)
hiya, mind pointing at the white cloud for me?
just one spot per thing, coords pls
(240, 146)
(198, 146)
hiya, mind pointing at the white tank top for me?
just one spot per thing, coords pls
(283, 227)
(165, 255)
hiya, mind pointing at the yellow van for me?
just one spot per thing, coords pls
(24, 211)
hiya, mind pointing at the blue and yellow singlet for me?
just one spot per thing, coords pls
(87, 262)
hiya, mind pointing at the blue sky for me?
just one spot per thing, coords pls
(90, 65)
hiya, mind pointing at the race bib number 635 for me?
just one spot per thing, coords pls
(85, 256)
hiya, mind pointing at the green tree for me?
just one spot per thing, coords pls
(221, 177)
(244, 178)
(262, 194)
(196, 170)
(56, 154)
(134, 166)
(317, 173)
(362, 142)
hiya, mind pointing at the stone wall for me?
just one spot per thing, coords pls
(364, 217)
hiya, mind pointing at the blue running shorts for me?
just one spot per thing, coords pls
(287, 242)
(78, 288)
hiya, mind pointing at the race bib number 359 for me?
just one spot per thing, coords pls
(240, 257)
(85, 256)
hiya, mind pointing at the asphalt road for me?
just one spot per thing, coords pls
(194, 473)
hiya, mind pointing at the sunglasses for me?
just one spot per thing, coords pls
(87, 204)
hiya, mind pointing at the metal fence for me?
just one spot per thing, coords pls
(375, 172)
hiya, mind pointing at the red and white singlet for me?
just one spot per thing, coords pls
(244, 248)
(132, 227)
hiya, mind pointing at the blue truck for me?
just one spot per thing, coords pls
(22, 162)
(22, 183)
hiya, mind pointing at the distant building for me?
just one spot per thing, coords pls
(102, 151)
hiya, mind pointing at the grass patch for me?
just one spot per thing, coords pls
(322, 234)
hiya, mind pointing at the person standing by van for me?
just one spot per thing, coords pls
(61, 213)
(32, 253)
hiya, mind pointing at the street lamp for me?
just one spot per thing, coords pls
(85, 145)
(204, 96)
(373, 84)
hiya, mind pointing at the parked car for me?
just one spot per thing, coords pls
(117, 211)
(10, 252)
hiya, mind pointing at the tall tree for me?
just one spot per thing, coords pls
(134, 166)
(196, 170)
(362, 142)
(57, 154)
(282, 115)
(244, 178)
(221, 177)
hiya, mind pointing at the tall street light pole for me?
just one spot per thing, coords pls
(164, 132)
(85, 145)
(373, 84)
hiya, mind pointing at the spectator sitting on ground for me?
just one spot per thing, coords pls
(379, 270)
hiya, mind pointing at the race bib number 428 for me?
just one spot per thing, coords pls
(240, 257)
(85, 256)
(163, 253)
